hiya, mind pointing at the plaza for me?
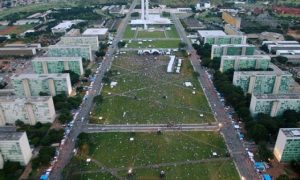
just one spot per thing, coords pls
(187, 155)
(146, 94)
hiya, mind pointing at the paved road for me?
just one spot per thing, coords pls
(91, 128)
(67, 149)
(235, 146)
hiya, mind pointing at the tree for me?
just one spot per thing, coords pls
(65, 116)
(87, 72)
(264, 153)
(121, 44)
(258, 132)
(182, 46)
(19, 123)
(281, 59)
(12, 170)
(73, 76)
(44, 157)
(283, 177)
(100, 53)
(53, 136)
(98, 99)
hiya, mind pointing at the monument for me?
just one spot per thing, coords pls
(149, 19)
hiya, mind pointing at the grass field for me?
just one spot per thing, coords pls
(154, 44)
(182, 155)
(172, 33)
(150, 34)
(146, 93)
(14, 29)
(128, 34)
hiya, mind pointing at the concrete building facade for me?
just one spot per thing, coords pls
(244, 62)
(219, 37)
(28, 110)
(274, 104)
(80, 40)
(232, 50)
(263, 82)
(14, 146)
(45, 65)
(83, 51)
(33, 84)
(287, 147)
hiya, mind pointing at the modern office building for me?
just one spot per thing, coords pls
(287, 52)
(33, 84)
(232, 50)
(219, 37)
(263, 82)
(236, 63)
(232, 19)
(29, 110)
(100, 32)
(287, 147)
(17, 51)
(45, 65)
(80, 40)
(83, 51)
(274, 46)
(274, 104)
(14, 146)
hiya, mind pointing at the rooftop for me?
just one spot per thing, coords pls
(37, 59)
(246, 57)
(291, 132)
(40, 76)
(280, 42)
(10, 136)
(276, 72)
(67, 46)
(95, 31)
(64, 25)
(233, 45)
(27, 99)
(205, 33)
(277, 96)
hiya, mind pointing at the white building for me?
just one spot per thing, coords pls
(33, 84)
(170, 67)
(64, 26)
(100, 32)
(29, 110)
(287, 147)
(80, 40)
(14, 146)
(149, 19)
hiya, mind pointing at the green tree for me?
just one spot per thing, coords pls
(98, 99)
(264, 153)
(258, 132)
(87, 72)
(121, 44)
(283, 177)
(65, 116)
(73, 76)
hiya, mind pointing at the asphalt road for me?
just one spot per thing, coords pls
(91, 128)
(234, 144)
(66, 151)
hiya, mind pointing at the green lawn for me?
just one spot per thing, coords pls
(172, 33)
(154, 44)
(150, 34)
(128, 34)
(146, 93)
(147, 153)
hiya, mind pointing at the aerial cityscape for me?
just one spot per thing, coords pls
(150, 89)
